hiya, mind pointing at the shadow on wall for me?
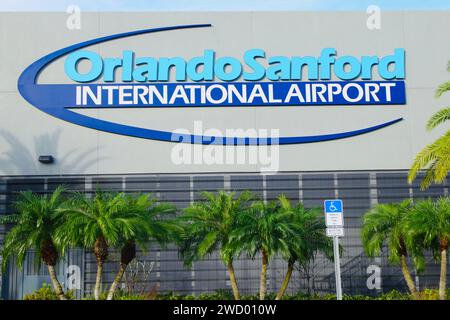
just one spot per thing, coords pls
(19, 159)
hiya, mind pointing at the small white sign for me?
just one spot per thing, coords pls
(335, 232)
(334, 219)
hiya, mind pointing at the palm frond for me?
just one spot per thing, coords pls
(442, 89)
(434, 155)
(438, 118)
(13, 218)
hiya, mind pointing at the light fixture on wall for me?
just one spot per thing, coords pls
(46, 159)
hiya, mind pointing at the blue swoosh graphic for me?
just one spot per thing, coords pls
(29, 89)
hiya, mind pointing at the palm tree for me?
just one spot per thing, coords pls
(431, 221)
(35, 224)
(207, 227)
(148, 217)
(309, 238)
(265, 229)
(387, 224)
(435, 157)
(97, 223)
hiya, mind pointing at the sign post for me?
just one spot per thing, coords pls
(335, 228)
(337, 267)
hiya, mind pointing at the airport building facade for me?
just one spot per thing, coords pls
(313, 105)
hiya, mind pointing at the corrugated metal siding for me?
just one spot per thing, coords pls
(359, 190)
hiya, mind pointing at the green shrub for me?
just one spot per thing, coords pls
(46, 292)
(226, 295)
(429, 294)
(123, 295)
(221, 294)
(102, 296)
(172, 296)
(432, 294)
(394, 295)
(119, 295)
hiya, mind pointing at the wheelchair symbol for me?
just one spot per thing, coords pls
(332, 207)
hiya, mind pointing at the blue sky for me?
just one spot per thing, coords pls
(222, 5)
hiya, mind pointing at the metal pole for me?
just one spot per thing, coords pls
(337, 268)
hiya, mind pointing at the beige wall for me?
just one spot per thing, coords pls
(26, 132)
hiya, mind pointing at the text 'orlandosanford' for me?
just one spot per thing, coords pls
(285, 85)
(145, 69)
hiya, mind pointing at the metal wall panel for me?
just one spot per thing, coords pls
(359, 190)
(392, 187)
(282, 184)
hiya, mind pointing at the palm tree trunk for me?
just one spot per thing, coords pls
(287, 277)
(116, 282)
(49, 256)
(407, 276)
(263, 279)
(101, 254)
(98, 280)
(443, 279)
(56, 285)
(233, 281)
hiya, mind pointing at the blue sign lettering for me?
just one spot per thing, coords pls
(230, 68)
(144, 83)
